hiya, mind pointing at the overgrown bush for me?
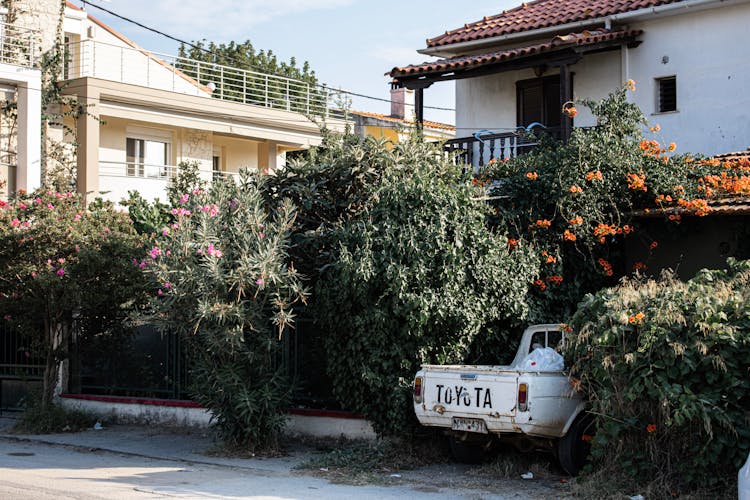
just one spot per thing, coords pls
(418, 276)
(39, 418)
(666, 368)
(578, 201)
(61, 260)
(223, 282)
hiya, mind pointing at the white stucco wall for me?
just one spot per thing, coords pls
(705, 52)
(237, 153)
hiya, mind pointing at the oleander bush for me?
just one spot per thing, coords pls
(666, 367)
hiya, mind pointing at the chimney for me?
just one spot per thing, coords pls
(402, 103)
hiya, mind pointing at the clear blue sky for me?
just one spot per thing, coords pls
(350, 44)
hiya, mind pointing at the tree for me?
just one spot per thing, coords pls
(417, 277)
(241, 73)
(61, 261)
(222, 280)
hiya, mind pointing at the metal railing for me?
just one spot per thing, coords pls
(17, 45)
(138, 170)
(89, 58)
(478, 150)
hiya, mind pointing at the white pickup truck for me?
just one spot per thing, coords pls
(530, 408)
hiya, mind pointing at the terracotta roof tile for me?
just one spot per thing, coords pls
(540, 14)
(468, 62)
(388, 118)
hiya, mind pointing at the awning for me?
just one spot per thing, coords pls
(563, 49)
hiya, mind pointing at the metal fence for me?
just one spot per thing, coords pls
(17, 46)
(136, 66)
(19, 368)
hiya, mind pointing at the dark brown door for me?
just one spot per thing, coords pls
(538, 101)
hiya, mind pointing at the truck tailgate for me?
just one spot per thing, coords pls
(471, 394)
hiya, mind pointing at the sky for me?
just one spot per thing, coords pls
(350, 44)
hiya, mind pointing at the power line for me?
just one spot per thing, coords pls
(199, 48)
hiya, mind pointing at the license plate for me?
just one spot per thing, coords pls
(469, 425)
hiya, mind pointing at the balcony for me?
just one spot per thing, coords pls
(17, 46)
(151, 181)
(483, 147)
(135, 66)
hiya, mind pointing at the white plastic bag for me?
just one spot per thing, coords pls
(542, 359)
(743, 481)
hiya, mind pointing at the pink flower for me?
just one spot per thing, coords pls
(259, 281)
(167, 285)
(213, 251)
(181, 211)
(164, 232)
(261, 235)
(26, 223)
(77, 217)
(197, 191)
(154, 252)
(168, 252)
(33, 275)
(184, 198)
(50, 206)
(78, 249)
(38, 200)
(61, 272)
(15, 223)
(7, 317)
(22, 206)
(160, 293)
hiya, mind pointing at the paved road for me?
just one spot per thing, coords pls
(143, 463)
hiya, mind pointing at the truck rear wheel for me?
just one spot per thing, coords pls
(469, 449)
(574, 447)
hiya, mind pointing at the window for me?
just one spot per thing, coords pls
(148, 152)
(666, 94)
(538, 101)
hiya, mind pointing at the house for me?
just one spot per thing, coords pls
(20, 107)
(400, 122)
(145, 113)
(518, 68)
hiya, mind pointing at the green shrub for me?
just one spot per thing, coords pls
(665, 366)
(40, 418)
(222, 280)
(418, 277)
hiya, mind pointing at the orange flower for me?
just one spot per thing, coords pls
(606, 266)
(568, 235)
(540, 284)
(542, 223)
(587, 437)
(630, 84)
(675, 218)
(571, 111)
(655, 128)
(626, 229)
(551, 259)
(672, 147)
(636, 319)
(575, 189)
(555, 280)
(512, 243)
(590, 176)
(653, 245)
(576, 220)
(532, 176)
(639, 266)
(603, 230)
(637, 182)
(651, 428)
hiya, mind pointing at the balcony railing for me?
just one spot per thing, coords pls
(17, 46)
(479, 149)
(90, 58)
(116, 178)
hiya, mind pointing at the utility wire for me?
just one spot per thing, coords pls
(202, 49)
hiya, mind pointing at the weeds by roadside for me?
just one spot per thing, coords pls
(367, 462)
(40, 419)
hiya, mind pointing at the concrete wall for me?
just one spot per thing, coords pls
(317, 426)
(702, 49)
